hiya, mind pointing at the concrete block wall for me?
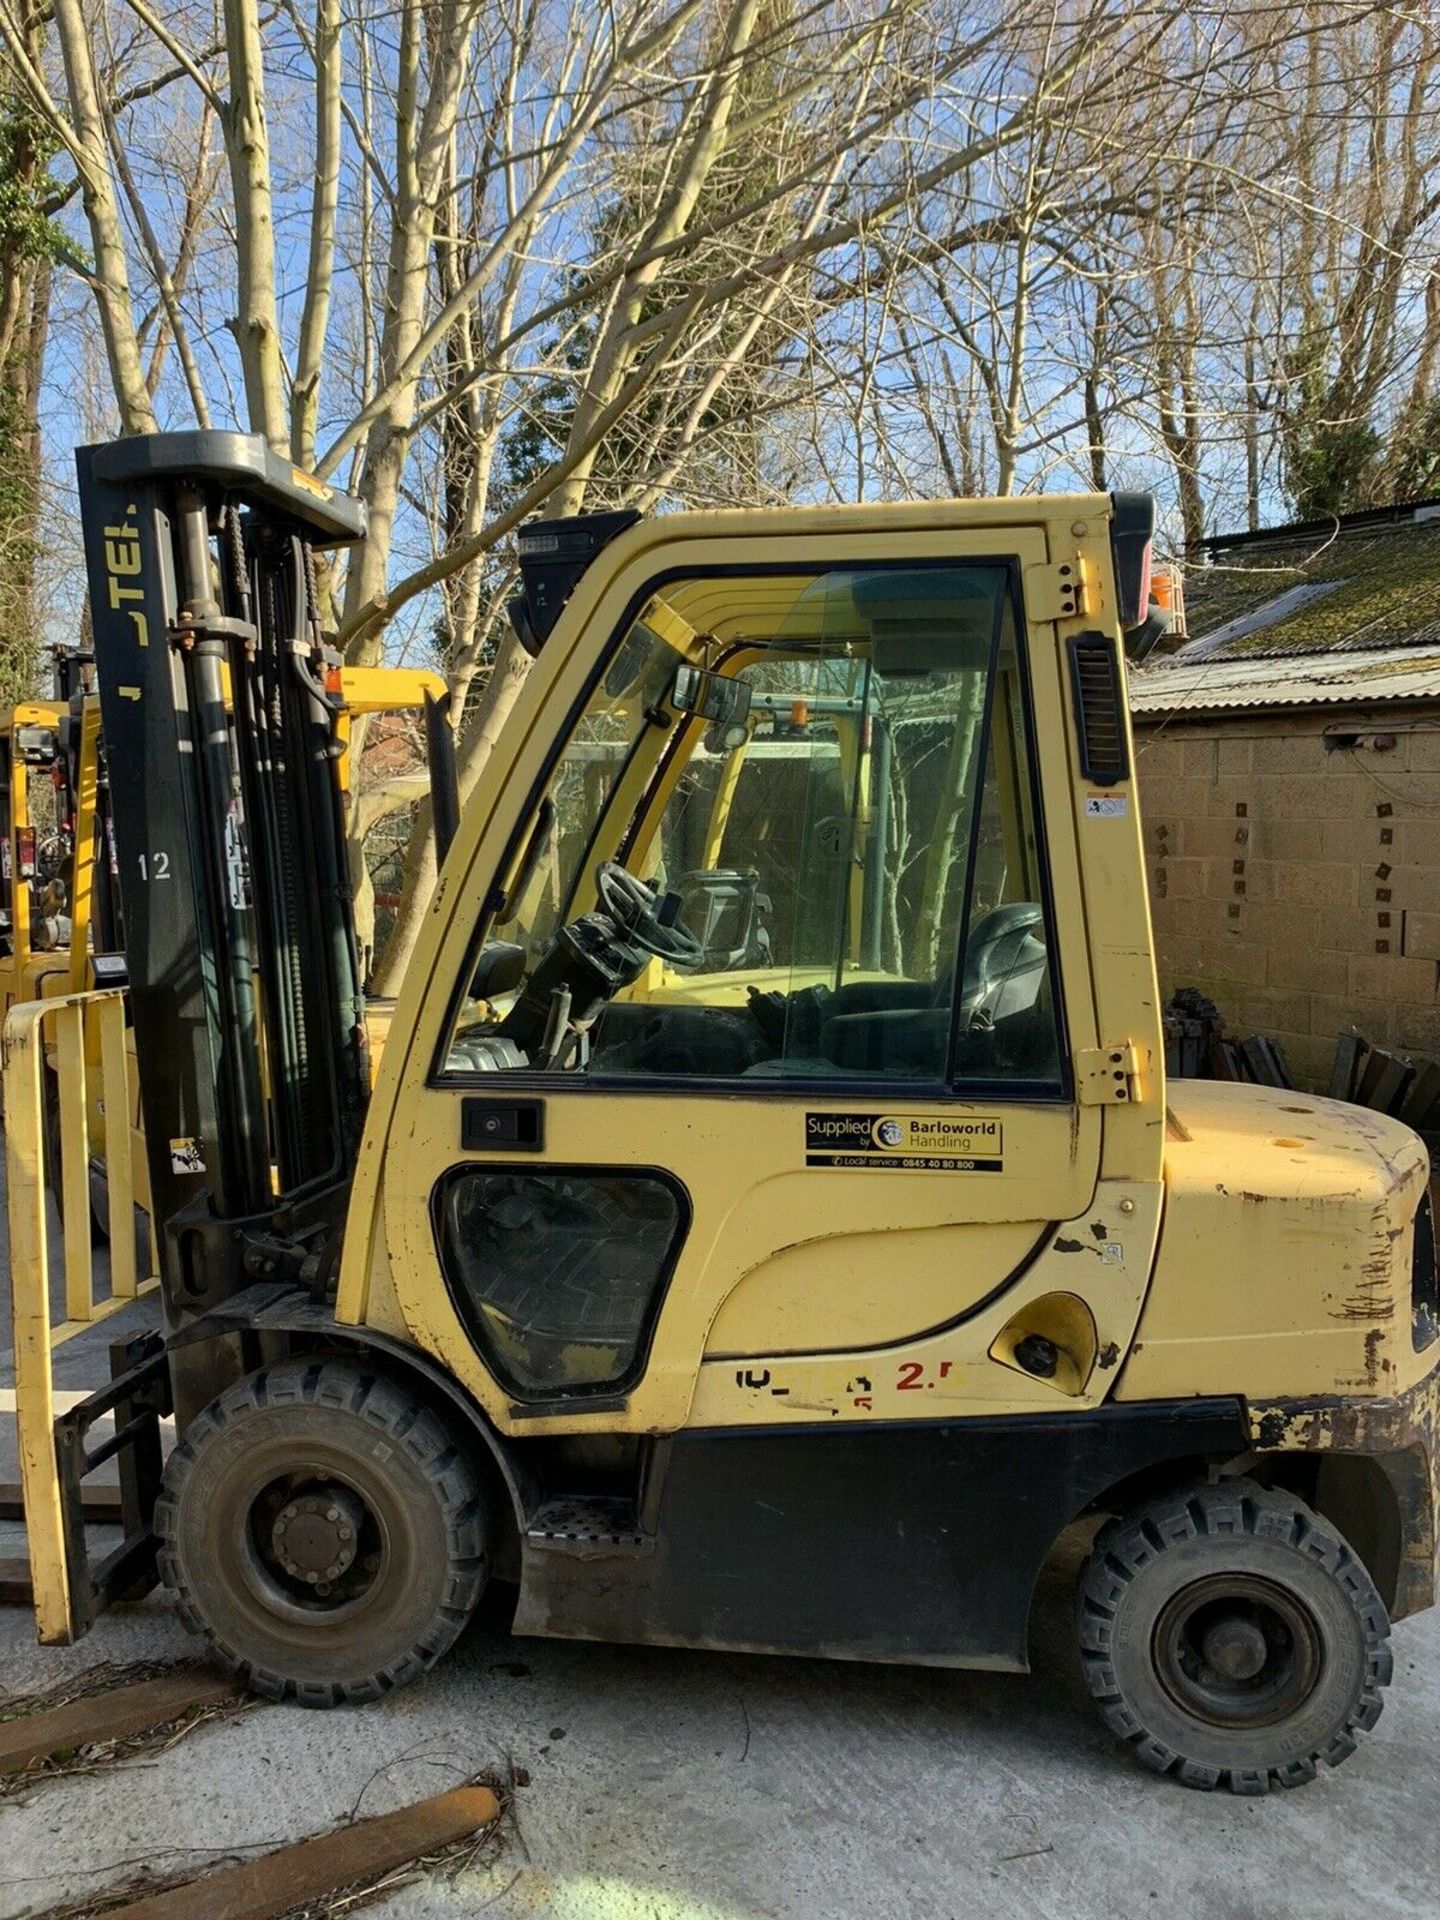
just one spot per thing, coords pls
(1294, 868)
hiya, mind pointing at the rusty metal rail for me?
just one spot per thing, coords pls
(354, 1855)
(117, 1714)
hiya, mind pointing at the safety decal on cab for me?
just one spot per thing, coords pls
(905, 1142)
(1106, 806)
(186, 1156)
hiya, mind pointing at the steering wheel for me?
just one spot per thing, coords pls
(635, 907)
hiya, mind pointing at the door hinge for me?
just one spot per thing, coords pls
(1058, 589)
(1107, 1076)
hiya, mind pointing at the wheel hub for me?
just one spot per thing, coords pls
(316, 1536)
(1236, 1650)
(1234, 1647)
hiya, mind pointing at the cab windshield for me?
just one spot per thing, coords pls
(791, 835)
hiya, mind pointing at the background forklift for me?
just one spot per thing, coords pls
(800, 1310)
(35, 845)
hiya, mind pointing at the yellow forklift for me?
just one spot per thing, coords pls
(35, 846)
(792, 1295)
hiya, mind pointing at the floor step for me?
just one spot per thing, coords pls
(579, 1526)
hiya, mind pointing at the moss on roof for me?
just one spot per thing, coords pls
(1386, 592)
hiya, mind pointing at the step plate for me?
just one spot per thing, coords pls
(586, 1527)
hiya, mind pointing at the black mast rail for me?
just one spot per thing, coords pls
(221, 749)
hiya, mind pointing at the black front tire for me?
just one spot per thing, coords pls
(312, 1461)
(1232, 1638)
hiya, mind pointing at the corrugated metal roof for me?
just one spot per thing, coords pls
(1319, 679)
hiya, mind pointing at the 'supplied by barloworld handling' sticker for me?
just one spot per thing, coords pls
(905, 1142)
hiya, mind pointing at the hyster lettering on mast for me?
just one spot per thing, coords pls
(768, 1228)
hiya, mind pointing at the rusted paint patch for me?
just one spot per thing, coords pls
(1372, 1355)
(1400, 1432)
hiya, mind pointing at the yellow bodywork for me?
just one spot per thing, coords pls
(1284, 1266)
(740, 1332)
(797, 1297)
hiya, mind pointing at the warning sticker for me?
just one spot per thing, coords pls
(905, 1142)
(1106, 806)
(186, 1157)
(311, 485)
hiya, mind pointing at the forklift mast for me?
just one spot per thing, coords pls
(220, 740)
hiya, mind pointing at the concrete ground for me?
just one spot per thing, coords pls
(676, 1786)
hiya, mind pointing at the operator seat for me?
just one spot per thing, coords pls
(903, 1028)
(1004, 957)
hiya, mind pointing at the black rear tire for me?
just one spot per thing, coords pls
(324, 1531)
(1232, 1638)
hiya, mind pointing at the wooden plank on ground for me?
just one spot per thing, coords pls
(101, 1504)
(114, 1715)
(352, 1856)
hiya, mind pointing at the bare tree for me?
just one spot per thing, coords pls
(484, 262)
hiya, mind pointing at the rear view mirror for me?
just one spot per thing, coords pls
(709, 696)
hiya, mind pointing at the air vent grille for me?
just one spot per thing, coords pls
(1099, 709)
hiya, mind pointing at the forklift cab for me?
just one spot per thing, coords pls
(767, 1228)
(861, 737)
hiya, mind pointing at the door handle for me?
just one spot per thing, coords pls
(502, 1126)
